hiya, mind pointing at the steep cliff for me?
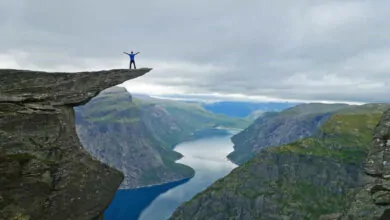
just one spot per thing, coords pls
(132, 139)
(277, 128)
(312, 178)
(44, 171)
(373, 201)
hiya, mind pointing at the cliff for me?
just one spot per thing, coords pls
(133, 139)
(373, 201)
(311, 178)
(45, 172)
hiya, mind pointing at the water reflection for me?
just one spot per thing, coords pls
(208, 158)
(129, 204)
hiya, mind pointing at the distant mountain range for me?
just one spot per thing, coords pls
(245, 109)
(240, 109)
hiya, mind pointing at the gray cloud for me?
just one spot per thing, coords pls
(303, 49)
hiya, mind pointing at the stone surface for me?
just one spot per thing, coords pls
(373, 201)
(44, 171)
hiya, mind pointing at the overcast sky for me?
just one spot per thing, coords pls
(281, 49)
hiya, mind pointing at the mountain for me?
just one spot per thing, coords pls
(193, 114)
(277, 128)
(314, 177)
(44, 171)
(240, 109)
(255, 114)
(244, 109)
(136, 136)
(115, 131)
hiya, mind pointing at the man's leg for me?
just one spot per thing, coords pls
(134, 65)
(130, 64)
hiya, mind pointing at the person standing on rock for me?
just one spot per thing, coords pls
(131, 55)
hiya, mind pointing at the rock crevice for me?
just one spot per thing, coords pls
(45, 173)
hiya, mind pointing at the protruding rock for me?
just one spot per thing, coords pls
(44, 171)
(373, 202)
(60, 88)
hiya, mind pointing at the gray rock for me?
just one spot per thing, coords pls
(128, 137)
(44, 171)
(373, 202)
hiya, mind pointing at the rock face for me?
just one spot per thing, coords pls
(44, 171)
(373, 202)
(274, 129)
(315, 177)
(136, 140)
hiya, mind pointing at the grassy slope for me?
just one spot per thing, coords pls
(107, 107)
(344, 139)
(275, 128)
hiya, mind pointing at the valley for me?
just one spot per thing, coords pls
(136, 135)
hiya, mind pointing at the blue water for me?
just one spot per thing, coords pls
(129, 204)
(206, 156)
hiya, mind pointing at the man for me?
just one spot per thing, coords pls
(131, 55)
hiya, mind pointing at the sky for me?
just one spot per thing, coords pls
(308, 50)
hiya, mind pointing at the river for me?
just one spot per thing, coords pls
(207, 156)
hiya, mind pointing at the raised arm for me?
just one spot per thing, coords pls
(125, 53)
(136, 53)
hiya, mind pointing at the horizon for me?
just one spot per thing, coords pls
(211, 99)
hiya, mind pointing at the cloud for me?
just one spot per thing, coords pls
(282, 50)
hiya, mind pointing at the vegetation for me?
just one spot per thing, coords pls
(304, 179)
(343, 137)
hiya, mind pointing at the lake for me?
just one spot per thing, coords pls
(207, 156)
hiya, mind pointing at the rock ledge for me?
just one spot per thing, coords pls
(45, 173)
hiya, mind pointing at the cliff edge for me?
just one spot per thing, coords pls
(373, 202)
(45, 173)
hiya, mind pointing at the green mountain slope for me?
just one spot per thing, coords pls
(277, 128)
(304, 179)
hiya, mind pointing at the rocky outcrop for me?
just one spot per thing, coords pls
(373, 202)
(44, 171)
